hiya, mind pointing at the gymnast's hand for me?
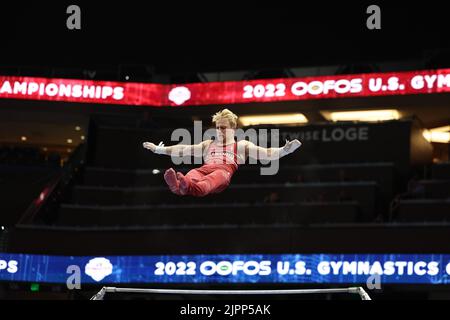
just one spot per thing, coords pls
(149, 145)
(291, 146)
(153, 147)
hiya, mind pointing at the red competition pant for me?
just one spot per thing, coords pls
(210, 178)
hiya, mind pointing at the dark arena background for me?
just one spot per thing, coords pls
(363, 203)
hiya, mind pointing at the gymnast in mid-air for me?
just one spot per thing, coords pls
(222, 157)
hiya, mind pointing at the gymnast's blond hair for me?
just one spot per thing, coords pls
(226, 114)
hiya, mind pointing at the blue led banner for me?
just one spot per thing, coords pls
(229, 268)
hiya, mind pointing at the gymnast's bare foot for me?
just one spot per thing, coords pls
(171, 179)
(183, 183)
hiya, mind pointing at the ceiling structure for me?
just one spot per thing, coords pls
(189, 38)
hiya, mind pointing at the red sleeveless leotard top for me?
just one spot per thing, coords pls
(226, 154)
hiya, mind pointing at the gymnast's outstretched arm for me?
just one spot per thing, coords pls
(257, 152)
(177, 150)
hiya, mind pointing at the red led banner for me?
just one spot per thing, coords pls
(144, 94)
(88, 91)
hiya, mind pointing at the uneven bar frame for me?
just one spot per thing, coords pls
(352, 290)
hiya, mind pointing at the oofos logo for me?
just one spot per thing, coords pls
(224, 268)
